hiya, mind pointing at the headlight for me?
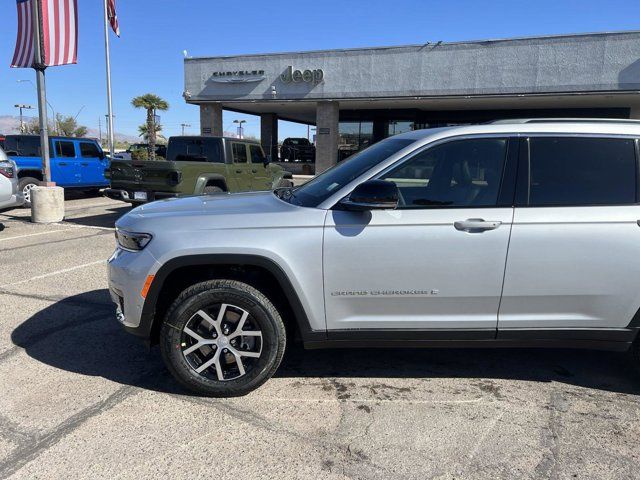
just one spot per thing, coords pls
(132, 241)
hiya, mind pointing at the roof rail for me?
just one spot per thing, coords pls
(565, 120)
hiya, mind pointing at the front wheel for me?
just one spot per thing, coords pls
(222, 338)
(25, 185)
(212, 190)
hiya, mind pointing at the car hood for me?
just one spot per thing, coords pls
(204, 212)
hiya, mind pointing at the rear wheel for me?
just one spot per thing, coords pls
(222, 338)
(25, 185)
(212, 189)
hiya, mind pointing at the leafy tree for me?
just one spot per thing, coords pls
(32, 127)
(68, 127)
(151, 103)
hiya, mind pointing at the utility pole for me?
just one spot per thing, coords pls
(42, 95)
(100, 129)
(26, 107)
(183, 125)
(108, 61)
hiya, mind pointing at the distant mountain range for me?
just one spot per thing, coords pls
(11, 124)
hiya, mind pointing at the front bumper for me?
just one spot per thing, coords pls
(129, 195)
(127, 273)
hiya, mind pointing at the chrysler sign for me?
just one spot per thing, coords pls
(238, 76)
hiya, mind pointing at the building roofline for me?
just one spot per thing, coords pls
(423, 45)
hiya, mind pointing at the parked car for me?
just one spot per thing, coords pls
(196, 165)
(515, 234)
(297, 149)
(10, 196)
(77, 163)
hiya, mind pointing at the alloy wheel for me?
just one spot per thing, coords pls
(222, 342)
(26, 192)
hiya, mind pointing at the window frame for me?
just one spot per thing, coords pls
(84, 142)
(233, 153)
(507, 188)
(59, 142)
(259, 147)
(522, 193)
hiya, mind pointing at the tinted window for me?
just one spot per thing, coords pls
(314, 192)
(23, 146)
(297, 141)
(582, 171)
(65, 149)
(463, 173)
(257, 155)
(89, 150)
(195, 150)
(239, 152)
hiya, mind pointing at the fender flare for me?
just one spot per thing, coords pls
(203, 179)
(147, 318)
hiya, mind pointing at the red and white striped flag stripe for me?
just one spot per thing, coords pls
(113, 17)
(23, 54)
(59, 20)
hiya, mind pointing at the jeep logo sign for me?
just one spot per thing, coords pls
(297, 76)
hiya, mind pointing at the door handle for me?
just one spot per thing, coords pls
(63, 164)
(475, 225)
(238, 171)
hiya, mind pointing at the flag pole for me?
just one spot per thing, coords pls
(39, 67)
(108, 61)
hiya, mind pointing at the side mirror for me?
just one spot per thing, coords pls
(372, 195)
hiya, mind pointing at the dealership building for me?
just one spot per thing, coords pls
(355, 97)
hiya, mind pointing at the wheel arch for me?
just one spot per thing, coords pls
(213, 179)
(27, 172)
(260, 272)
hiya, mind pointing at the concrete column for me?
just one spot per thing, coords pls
(327, 116)
(211, 119)
(269, 134)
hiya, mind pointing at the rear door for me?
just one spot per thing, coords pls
(260, 175)
(92, 164)
(65, 165)
(241, 175)
(575, 242)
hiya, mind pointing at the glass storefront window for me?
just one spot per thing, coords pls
(354, 136)
(399, 126)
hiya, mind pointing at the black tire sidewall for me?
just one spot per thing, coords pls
(272, 342)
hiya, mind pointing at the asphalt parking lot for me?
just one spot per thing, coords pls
(79, 398)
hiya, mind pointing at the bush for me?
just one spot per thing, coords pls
(140, 155)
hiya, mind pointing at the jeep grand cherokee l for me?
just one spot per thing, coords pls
(512, 234)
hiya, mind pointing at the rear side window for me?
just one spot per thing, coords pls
(22, 146)
(195, 150)
(257, 155)
(581, 171)
(65, 150)
(239, 152)
(89, 150)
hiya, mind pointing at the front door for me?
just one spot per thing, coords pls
(241, 168)
(92, 165)
(574, 250)
(65, 168)
(261, 177)
(435, 263)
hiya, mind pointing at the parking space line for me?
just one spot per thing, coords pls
(52, 274)
(33, 234)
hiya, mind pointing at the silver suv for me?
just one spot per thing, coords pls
(522, 233)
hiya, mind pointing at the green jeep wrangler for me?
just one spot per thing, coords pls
(196, 166)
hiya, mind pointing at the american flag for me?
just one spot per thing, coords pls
(59, 20)
(113, 18)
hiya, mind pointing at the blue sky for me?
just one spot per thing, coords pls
(148, 57)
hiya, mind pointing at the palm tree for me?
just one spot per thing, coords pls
(151, 103)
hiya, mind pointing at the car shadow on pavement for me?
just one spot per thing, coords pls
(80, 334)
(104, 220)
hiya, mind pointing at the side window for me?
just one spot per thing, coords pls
(257, 155)
(581, 171)
(461, 173)
(89, 150)
(65, 149)
(239, 152)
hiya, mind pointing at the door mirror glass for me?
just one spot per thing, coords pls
(372, 195)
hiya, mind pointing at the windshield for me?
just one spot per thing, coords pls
(314, 192)
(298, 141)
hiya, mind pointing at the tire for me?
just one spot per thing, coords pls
(284, 183)
(24, 186)
(198, 310)
(93, 192)
(212, 189)
(634, 355)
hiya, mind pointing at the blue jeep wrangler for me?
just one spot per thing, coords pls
(77, 163)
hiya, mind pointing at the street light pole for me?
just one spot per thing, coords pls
(183, 125)
(240, 122)
(21, 106)
(53, 112)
